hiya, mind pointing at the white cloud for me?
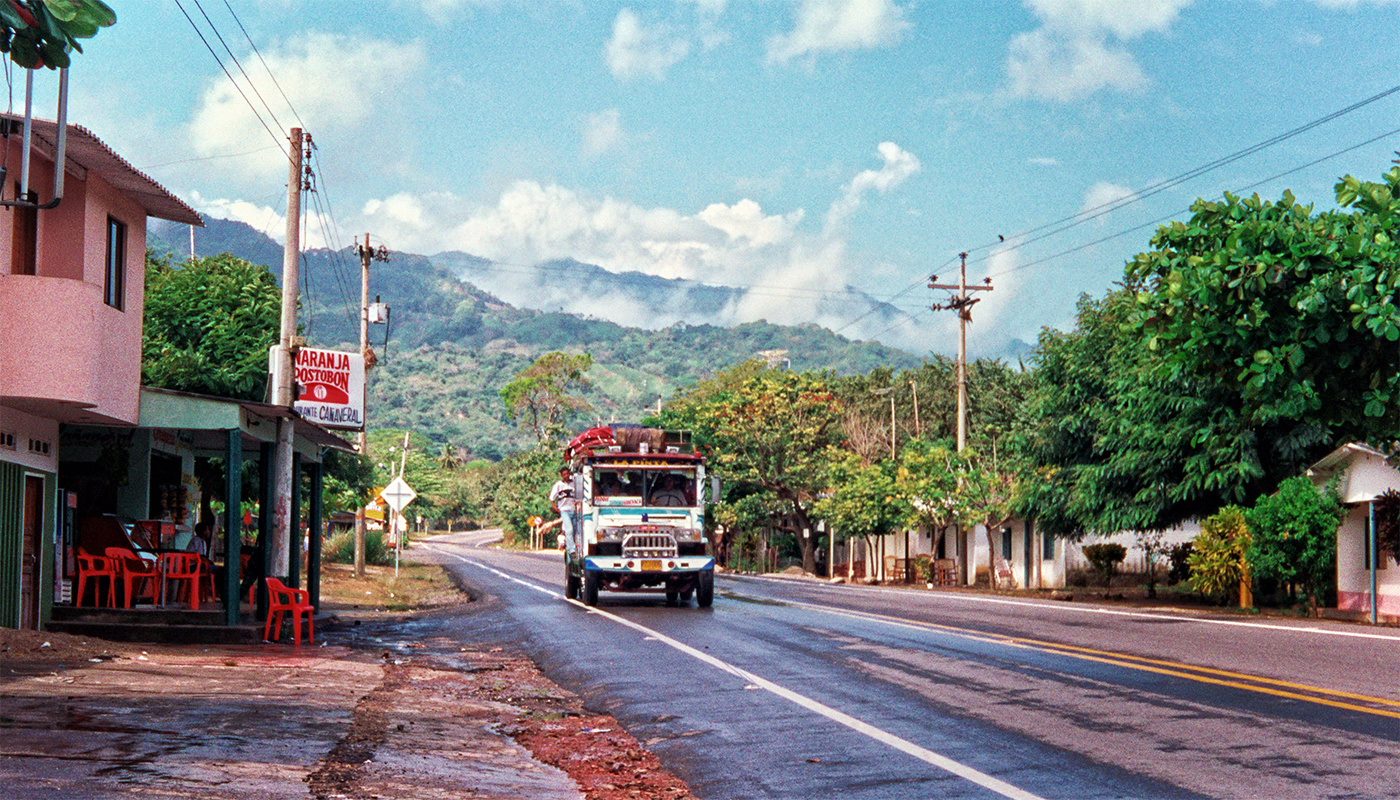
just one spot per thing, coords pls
(338, 84)
(1043, 65)
(602, 132)
(637, 51)
(1103, 197)
(898, 167)
(1080, 47)
(792, 273)
(837, 25)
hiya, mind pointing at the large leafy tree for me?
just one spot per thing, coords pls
(545, 395)
(769, 429)
(862, 499)
(1109, 443)
(1292, 314)
(208, 325)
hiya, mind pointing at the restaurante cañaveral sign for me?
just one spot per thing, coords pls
(331, 387)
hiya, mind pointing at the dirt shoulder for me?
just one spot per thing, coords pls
(344, 718)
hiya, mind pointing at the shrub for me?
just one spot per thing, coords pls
(340, 549)
(1295, 537)
(1105, 559)
(1218, 561)
(1180, 563)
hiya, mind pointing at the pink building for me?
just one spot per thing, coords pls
(72, 280)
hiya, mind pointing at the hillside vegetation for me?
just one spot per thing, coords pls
(451, 346)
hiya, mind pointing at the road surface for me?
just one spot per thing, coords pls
(798, 689)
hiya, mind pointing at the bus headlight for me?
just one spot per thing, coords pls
(688, 534)
(609, 534)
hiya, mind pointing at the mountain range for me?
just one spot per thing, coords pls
(450, 344)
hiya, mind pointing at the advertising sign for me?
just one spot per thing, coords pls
(332, 388)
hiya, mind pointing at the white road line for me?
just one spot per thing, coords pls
(1082, 609)
(884, 737)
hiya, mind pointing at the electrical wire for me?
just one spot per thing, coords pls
(276, 122)
(266, 68)
(217, 60)
(1074, 220)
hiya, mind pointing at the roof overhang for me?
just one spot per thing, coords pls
(86, 152)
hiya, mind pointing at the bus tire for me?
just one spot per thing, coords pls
(590, 588)
(705, 589)
(571, 582)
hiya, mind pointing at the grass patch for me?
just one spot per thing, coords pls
(417, 586)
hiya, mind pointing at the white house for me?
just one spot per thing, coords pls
(1364, 582)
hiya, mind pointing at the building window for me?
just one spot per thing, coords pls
(114, 283)
(24, 238)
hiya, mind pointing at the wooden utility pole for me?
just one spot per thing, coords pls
(366, 254)
(961, 303)
(284, 374)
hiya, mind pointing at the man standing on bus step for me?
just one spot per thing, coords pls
(561, 499)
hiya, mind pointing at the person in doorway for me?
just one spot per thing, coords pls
(561, 499)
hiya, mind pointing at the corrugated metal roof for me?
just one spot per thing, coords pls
(88, 152)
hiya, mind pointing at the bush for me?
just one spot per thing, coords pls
(1180, 563)
(1218, 557)
(340, 549)
(1105, 559)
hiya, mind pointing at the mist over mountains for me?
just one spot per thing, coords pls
(453, 342)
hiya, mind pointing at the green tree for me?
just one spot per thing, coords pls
(1107, 442)
(1219, 557)
(544, 396)
(520, 490)
(1290, 313)
(1295, 536)
(1105, 557)
(208, 325)
(769, 429)
(863, 499)
(930, 480)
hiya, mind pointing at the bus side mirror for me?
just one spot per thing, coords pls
(714, 488)
(578, 486)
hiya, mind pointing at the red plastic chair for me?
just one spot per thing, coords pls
(282, 600)
(180, 567)
(136, 573)
(97, 568)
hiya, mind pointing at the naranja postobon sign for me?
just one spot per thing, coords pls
(332, 388)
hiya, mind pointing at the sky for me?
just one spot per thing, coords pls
(801, 149)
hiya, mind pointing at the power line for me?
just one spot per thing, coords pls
(1074, 220)
(276, 122)
(1180, 212)
(239, 89)
(266, 68)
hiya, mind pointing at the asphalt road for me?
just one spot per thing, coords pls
(798, 689)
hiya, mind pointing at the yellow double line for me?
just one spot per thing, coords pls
(1350, 701)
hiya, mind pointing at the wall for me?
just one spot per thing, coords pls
(1353, 576)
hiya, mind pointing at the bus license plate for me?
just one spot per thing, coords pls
(648, 566)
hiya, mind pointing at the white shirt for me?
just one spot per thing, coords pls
(562, 494)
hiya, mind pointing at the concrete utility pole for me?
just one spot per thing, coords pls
(366, 254)
(961, 303)
(284, 375)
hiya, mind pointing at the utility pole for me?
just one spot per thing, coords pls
(918, 429)
(366, 254)
(284, 374)
(961, 303)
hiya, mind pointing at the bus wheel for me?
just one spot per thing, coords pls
(705, 590)
(590, 588)
(571, 582)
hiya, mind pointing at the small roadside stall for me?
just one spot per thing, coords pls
(148, 492)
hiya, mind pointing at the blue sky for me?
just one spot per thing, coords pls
(801, 147)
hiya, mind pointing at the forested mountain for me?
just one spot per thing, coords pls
(451, 346)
